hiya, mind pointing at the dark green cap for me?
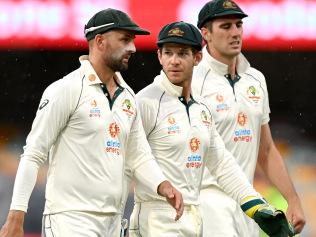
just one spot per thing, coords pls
(110, 19)
(181, 33)
(219, 8)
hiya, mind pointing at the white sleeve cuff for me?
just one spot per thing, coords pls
(150, 174)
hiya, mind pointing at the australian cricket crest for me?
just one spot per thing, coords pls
(128, 108)
(229, 4)
(206, 118)
(253, 94)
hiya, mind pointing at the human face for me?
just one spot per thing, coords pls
(119, 46)
(224, 37)
(177, 61)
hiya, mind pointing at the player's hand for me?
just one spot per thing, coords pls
(295, 214)
(173, 197)
(273, 222)
(14, 225)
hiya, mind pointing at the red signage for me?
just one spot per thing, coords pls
(272, 25)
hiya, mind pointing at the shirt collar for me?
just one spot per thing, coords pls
(221, 68)
(171, 89)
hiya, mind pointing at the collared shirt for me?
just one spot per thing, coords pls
(184, 142)
(90, 139)
(239, 107)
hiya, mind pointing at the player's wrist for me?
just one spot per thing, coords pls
(16, 217)
(251, 204)
(161, 189)
(293, 200)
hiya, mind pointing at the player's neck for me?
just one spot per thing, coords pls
(230, 61)
(232, 67)
(105, 73)
(186, 91)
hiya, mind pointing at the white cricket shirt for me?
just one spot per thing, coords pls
(239, 107)
(184, 141)
(90, 138)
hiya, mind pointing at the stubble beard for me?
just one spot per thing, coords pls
(118, 66)
(116, 63)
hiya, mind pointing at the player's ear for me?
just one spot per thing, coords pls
(99, 40)
(205, 34)
(159, 54)
(197, 57)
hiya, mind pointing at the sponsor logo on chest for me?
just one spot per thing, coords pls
(221, 106)
(173, 127)
(94, 109)
(242, 134)
(194, 160)
(113, 145)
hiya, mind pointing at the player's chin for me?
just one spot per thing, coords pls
(124, 66)
(234, 52)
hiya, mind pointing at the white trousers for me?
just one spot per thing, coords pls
(222, 216)
(81, 224)
(156, 219)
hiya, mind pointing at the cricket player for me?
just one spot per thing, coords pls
(237, 96)
(88, 128)
(183, 138)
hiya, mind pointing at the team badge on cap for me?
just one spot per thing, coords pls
(176, 32)
(180, 32)
(219, 8)
(229, 5)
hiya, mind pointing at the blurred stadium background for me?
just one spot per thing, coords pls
(40, 42)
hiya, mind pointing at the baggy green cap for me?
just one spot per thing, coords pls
(181, 33)
(110, 19)
(218, 8)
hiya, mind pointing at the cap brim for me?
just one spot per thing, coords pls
(225, 13)
(135, 30)
(230, 13)
(177, 40)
